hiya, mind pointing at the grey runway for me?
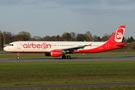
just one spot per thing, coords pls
(74, 59)
(48, 87)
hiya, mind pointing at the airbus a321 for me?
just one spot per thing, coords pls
(65, 48)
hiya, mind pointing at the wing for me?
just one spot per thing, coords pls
(71, 50)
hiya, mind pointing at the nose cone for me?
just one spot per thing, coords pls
(5, 48)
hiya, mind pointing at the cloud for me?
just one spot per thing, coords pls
(101, 12)
(81, 6)
(120, 2)
(89, 10)
(23, 2)
(94, 2)
(9, 2)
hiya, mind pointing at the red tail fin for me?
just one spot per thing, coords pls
(117, 37)
(115, 42)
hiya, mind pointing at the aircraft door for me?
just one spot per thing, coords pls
(18, 45)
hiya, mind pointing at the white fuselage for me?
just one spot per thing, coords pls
(48, 46)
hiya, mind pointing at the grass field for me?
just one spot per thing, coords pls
(50, 73)
(12, 74)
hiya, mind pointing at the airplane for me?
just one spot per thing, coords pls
(65, 48)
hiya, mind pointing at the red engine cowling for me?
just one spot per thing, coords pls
(56, 53)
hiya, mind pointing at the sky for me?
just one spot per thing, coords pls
(54, 17)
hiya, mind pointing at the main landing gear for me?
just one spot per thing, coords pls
(66, 56)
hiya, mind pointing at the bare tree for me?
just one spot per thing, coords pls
(96, 38)
(66, 37)
(81, 37)
(36, 38)
(73, 35)
(1, 40)
(105, 37)
(25, 35)
(89, 36)
(7, 37)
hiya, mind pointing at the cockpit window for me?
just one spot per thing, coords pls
(9, 45)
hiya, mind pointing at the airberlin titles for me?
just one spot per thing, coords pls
(37, 45)
(34, 45)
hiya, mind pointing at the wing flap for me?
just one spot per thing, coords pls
(71, 50)
(75, 48)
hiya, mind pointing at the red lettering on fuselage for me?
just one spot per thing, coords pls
(33, 45)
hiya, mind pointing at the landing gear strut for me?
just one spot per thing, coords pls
(63, 56)
(18, 56)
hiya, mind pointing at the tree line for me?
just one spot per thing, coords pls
(7, 37)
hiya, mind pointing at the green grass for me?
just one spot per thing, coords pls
(50, 73)
(102, 88)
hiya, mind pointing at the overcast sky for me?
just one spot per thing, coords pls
(54, 17)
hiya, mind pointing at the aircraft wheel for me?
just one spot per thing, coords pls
(17, 57)
(68, 57)
(63, 56)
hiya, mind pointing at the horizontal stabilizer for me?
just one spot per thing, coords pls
(122, 45)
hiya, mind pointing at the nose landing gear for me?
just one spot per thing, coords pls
(18, 56)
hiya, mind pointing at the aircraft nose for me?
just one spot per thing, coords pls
(5, 49)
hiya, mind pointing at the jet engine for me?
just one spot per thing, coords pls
(56, 53)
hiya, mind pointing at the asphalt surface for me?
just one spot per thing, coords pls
(74, 59)
(55, 87)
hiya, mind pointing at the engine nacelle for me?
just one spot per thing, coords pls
(56, 53)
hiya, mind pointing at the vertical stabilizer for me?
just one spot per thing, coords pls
(118, 35)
